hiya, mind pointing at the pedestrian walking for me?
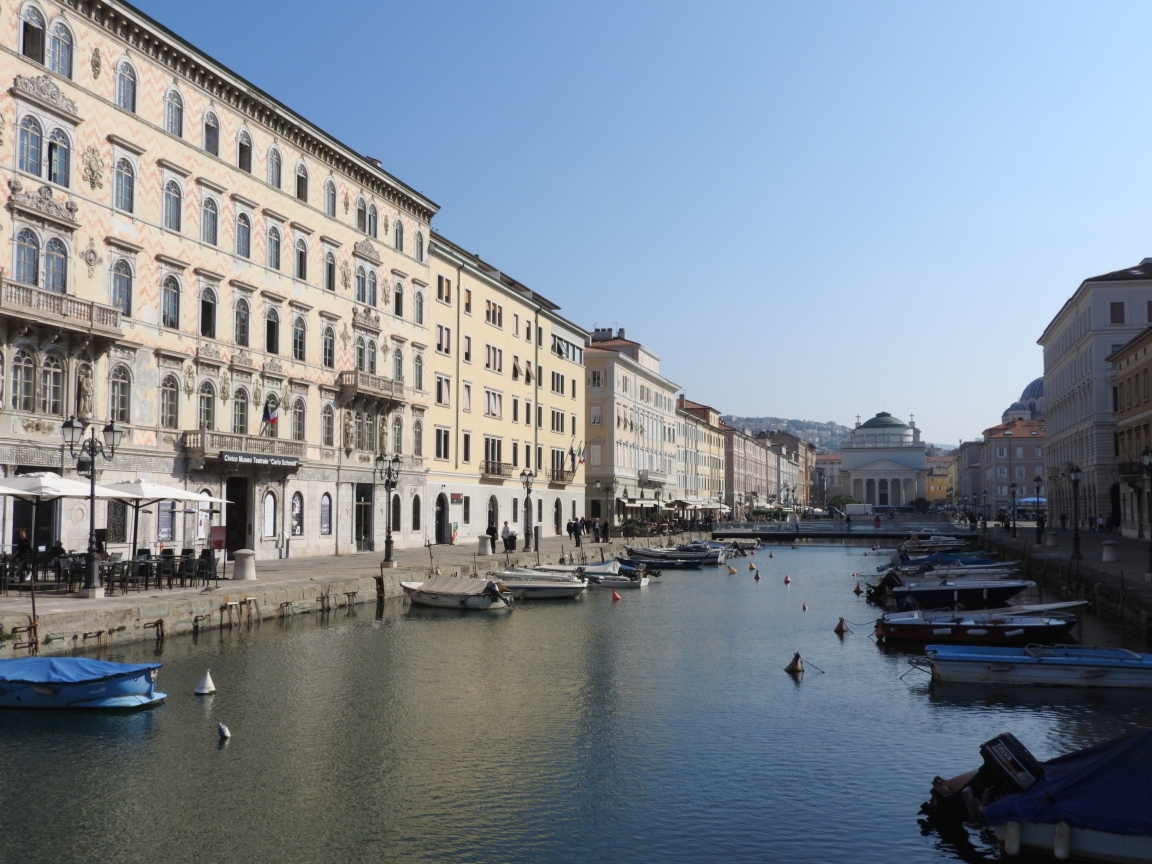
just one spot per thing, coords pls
(596, 529)
(506, 536)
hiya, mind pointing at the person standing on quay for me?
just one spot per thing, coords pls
(491, 532)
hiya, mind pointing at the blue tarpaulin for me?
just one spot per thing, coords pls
(65, 670)
(1106, 788)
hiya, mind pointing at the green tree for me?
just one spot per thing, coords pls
(839, 501)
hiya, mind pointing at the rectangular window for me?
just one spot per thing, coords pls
(595, 415)
(1019, 452)
(573, 432)
(468, 301)
(573, 388)
(540, 416)
(1001, 452)
(493, 358)
(466, 398)
(557, 420)
(528, 411)
(1020, 472)
(1002, 472)
(467, 518)
(594, 454)
(443, 390)
(467, 349)
(539, 462)
(494, 313)
(515, 325)
(443, 339)
(527, 456)
(515, 455)
(442, 442)
(597, 378)
(515, 410)
(540, 336)
(1116, 312)
(493, 404)
(444, 290)
(466, 447)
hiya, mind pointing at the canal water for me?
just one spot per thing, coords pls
(657, 728)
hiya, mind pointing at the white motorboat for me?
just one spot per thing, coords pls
(544, 589)
(603, 568)
(620, 581)
(455, 592)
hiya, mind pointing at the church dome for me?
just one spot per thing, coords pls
(884, 420)
(1035, 390)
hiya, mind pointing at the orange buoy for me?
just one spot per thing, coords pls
(615, 596)
(757, 576)
(731, 570)
(751, 566)
(841, 628)
(857, 590)
(787, 579)
(805, 607)
(796, 667)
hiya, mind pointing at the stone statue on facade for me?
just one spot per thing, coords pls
(86, 390)
(383, 435)
(347, 430)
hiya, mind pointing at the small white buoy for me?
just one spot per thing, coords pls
(796, 667)
(207, 686)
(226, 733)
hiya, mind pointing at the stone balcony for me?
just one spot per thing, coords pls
(495, 469)
(69, 313)
(201, 444)
(559, 475)
(366, 386)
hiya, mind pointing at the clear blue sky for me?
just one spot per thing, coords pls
(808, 210)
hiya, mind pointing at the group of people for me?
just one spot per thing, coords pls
(601, 531)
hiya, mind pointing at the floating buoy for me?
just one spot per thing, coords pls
(751, 566)
(771, 554)
(207, 686)
(731, 570)
(757, 576)
(841, 628)
(857, 590)
(615, 596)
(787, 579)
(796, 667)
(805, 608)
(226, 733)
(793, 545)
(855, 576)
(865, 554)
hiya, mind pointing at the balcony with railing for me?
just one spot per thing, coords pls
(495, 469)
(65, 311)
(559, 475)
(1130, 469)
(356, 383)
(206, 444)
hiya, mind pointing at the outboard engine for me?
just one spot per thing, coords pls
(1008, 768)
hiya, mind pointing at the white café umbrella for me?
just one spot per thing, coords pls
(141, 493)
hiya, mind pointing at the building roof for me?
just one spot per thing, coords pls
(1035, 390)
(884, 419)
(1016, 429)
(1140, 272)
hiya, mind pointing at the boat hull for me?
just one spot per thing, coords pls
(545, 590)
(1086, 845)
(453, 601)
(1046, 667)
(972, 633)
(928, 595)
(642, 582)
(133, 690)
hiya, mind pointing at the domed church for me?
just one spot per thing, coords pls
(1030, 405)
(885, 463)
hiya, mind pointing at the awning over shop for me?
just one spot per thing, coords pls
(638, 502)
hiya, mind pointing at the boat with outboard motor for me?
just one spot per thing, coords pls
(1093, 804)
(1015, 625)
(458, 592)
(77, 682)
(704, 556)
(1058, 665)
(639, 579)
(971, 591)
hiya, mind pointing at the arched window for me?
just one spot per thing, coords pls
(418, 373)
(174, 113)
(302, 183)
(329, 271)
(298, 339)
(418, 308)
(327, 426)
(240, 412)
(240, 324)
(361, 285)
(298, 420)
(60, 50)
(416, 513)
(31, 141)
(212, 134)
(126, 87)
(297, 514)
(361, 355)
(244, 152)
(23, 386)
(395, 512)
(398, 365)
(208, 313)
(328, 348)
(58, 158)
(243, 236)
(51, 386)
(372, 220)
(330, 198)
(272, 332)
(269, 514)
(301, 260)
(419, 246)
(170, 402)
(417, 438)
(125, 186)
(274, 247)
(55, 266)
(33, 32)
(206, 407)
(120, 395)
(398, 235)
(325, 514)
(209, 221)
(398, 300)
(274, 164)
(122, 287)
(371, 299)
(361, 215)
(173, 205)
(397, 435)
(27, 258)
(371, 356)
(170, 303)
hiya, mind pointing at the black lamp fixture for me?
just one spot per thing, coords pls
(389, 473)
(526, 478)
(1038, 482)
(1013, 515)
(73, 432)
(1076, 475)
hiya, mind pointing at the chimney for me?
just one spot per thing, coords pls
(373, 160)
(601, 333)
(620, 334)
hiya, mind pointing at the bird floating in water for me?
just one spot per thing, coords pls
(224, 731)
(207, 686)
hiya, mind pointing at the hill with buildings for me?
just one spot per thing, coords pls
(828, 437)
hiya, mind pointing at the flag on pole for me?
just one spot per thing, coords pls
(581, 453)
(271, 412)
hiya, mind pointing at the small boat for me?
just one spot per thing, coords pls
(663, 563)
(604, 567)
(704, 556)
(1093, 804)
(927, 593)
(1060, 665)
(979, 628)
(620, 581)
(523, 588)
(455, 592)
(77, 682)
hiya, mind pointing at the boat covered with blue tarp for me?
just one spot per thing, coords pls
(77, 682)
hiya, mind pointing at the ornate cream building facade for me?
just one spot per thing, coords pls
(251, 300)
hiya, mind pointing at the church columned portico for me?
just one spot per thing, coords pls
(885, 462)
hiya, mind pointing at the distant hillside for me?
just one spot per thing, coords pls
(828, 437)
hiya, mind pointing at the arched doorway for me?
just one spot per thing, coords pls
(442, 531)
(493, 512)
(559, 517)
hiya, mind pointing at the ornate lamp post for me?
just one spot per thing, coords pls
(1076, 475)
(1038, 482)
(609, 490)
(1012, 488)
(389, 472)
(526, 478)
(73, 432)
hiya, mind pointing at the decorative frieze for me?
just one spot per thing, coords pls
(365, 249)
(30, 425)
(208, 350)
(365, 317)
(45, 90)
(41, 201)
(273, 365)
(97, 63)
(93, 167)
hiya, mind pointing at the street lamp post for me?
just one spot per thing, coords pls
(526, 478)
(752, 513)
(1038, 482)
(1146, 460)
(389, 472)
(984, 512)
(609, 490)
(1012, 488)
(1076, 475)
(73, 432)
